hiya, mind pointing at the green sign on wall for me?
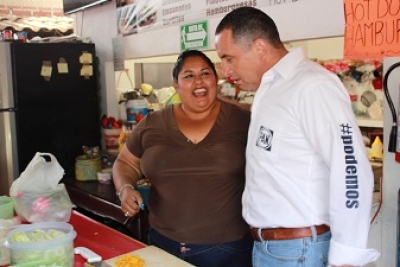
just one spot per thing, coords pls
(194, 36)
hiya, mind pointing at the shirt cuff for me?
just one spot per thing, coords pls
(343, 255)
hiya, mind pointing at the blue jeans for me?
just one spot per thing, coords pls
(303, 252)
(231, 254)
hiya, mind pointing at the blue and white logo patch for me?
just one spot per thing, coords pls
(264, 139)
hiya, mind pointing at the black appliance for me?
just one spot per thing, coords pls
(49, 102)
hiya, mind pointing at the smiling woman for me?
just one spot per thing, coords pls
(193, 155)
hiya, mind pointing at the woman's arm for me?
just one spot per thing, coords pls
(126, 172)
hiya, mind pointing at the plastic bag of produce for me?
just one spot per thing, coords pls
(37, 194)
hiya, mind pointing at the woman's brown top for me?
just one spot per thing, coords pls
(196, 188)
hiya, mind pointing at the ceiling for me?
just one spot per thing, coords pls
(37, 26)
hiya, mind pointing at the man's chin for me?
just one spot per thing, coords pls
(247, 87)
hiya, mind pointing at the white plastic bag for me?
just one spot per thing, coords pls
(39, 175)
(37, 194)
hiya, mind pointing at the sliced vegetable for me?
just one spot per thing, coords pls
(129, 260)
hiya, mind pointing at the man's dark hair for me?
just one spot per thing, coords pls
(190, 53)
(248, 24)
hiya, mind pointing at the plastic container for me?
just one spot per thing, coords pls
(136, 110)
(5, 255)
(59, 249)
(6, 208)
(104, 177)
(111, 139)
(87, 169)
(44, 263)
(6, 225)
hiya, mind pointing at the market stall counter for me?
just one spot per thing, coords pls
(100, 202)
(111, 245)
(103, 240)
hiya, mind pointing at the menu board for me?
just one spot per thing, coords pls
(134, 16)
(372, 29)
(161, 19)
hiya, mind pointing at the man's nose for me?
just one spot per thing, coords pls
(224, 69)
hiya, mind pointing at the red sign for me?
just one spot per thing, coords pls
(372, 28)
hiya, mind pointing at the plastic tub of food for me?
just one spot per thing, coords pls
(5, 258)
(6, 225)
(6, 208)
(51, 241)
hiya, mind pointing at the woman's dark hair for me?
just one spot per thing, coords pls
(187, 54)
(249, 23)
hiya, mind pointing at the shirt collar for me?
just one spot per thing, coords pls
(285, 65)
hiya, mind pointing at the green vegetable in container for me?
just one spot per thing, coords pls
(21, 237)
(55, 255)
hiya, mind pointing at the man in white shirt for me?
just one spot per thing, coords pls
(309, 184)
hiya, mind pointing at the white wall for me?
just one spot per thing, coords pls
(322, 49)
(99, 25)
(391, 179)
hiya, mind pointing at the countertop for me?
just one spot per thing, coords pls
(100, 238)
(101, 200)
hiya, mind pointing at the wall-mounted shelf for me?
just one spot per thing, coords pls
(366, 121)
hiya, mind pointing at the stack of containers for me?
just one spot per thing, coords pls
(7, 223)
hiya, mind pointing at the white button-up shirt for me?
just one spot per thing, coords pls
(306, 161)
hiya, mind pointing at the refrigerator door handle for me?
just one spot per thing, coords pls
(8, 109)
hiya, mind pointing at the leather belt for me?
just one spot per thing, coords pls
(287, 233)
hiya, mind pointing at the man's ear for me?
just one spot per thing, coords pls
(260, 47)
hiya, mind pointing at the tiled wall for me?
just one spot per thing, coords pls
(28, 8)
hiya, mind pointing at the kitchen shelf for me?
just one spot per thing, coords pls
(365, 121)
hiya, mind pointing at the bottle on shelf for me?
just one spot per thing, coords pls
(377, 148)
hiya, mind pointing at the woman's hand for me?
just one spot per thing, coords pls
(130, 202)
(126, 172)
